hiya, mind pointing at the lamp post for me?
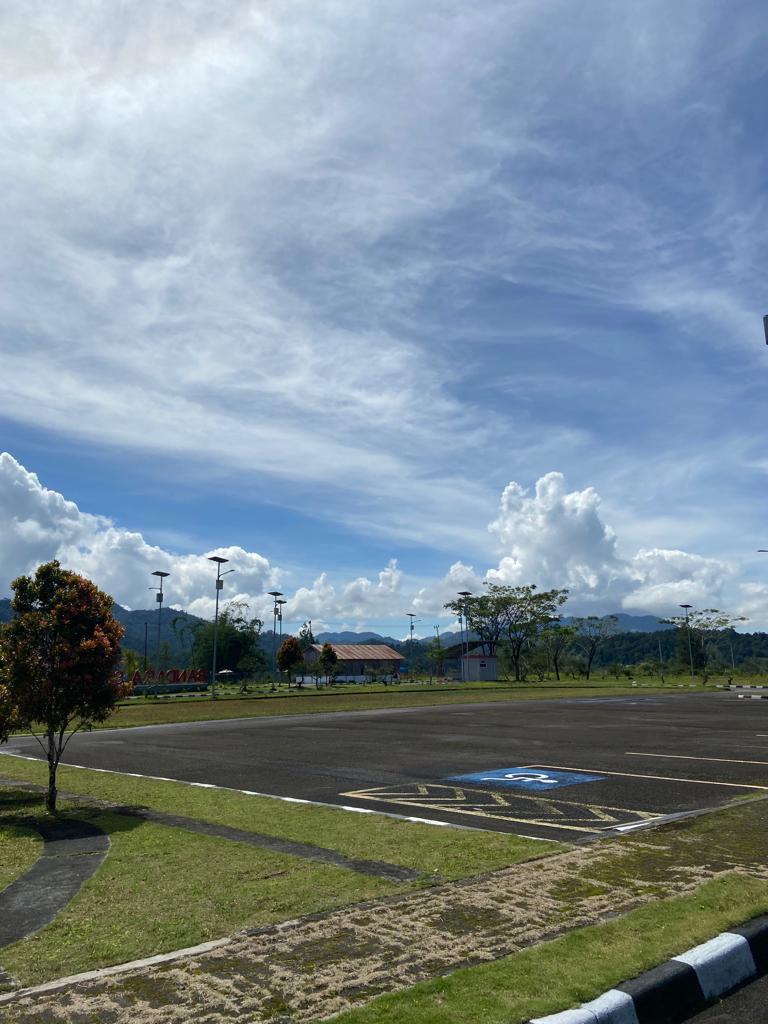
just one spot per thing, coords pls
(274, 594)
(688, 630)
(411, 616)
(219, 587)
(465, 594)
(159, 599)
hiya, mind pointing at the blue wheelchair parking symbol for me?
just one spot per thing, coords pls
(526, 778)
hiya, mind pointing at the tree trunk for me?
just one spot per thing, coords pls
(50, 800)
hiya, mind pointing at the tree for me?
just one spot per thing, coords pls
(289, 656)
(306, 637)
(525, 614)
(328, 659)
(485, 615)
(699, 634)
(58, 661)
(435, 657)
(238, 646)
(591, 633)
(555, 640)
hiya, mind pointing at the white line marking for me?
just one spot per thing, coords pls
(691, 757)
(634, 775)
(267, 796)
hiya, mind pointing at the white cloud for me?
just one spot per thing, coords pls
(553, 538)
(667, 579)
(40, 525)
(557, 538)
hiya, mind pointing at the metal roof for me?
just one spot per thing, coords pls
(363, 652)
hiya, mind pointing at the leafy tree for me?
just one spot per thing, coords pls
(58, 661)
(486, 614)
(591, 632)
(435, 656)
(699, 634)
(328, 660)
(555, 640)
(306, 637)
(526, 613)
(290, 656)
(238, 646)
(131, 663)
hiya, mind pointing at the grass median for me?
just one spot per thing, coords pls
(446, 852)
(162, 711)
(575, 968)
(162, 888)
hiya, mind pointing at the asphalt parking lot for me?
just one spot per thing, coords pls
(568, 769)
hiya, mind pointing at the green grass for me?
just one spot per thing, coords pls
(575, 968)
(19, 846)
(162, 888)
(451, 853)
(305, 702)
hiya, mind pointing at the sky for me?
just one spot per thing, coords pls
(385, 300)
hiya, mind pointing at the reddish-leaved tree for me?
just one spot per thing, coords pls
(58, 661)
(289, 656)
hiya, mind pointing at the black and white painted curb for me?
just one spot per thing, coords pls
(752, 696)
(682, 986)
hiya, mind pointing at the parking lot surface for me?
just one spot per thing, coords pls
(566, 769)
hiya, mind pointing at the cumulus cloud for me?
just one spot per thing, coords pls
(41, 524)
(558, 538)
(553, 538)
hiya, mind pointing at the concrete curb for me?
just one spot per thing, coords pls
(681, 987)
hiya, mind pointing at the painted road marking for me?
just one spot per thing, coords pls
(658, 778)
(252, 792)
(690, 757)
(525, 778)
(507, 806)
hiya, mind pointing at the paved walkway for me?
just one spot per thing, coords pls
(72, 852)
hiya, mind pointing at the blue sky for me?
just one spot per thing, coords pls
(318, 281)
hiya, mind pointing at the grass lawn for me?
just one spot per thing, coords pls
(303, 702)
(19, 849)
(451, 853)
(163, 888)
(575, 968)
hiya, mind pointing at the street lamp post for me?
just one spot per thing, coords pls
(274, 594)
(465, 594)
(411, 616)
(687, 607)
(219, 587)
(159, 599)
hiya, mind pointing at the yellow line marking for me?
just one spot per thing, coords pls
(476, 814)
(690, 757)
(634, 775)
(379, 793)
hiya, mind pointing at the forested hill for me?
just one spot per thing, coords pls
(629, 647)
(175, 629)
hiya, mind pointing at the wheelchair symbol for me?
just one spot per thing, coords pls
(541, 778)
